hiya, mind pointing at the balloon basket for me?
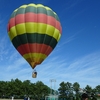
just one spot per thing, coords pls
(34, 74)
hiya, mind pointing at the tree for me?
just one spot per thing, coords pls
(26, 87)
(41, 90)
(20, 89)
(2, 89)
(97, 89)
(76, 87)
(88, 89)
(69, 90)
(62, 90)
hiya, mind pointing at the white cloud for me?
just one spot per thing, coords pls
(84, 70)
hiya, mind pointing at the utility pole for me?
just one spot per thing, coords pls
(53, 81)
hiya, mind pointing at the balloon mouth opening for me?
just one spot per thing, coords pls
(34, 64)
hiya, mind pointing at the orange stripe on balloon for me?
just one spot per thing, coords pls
(34, 48)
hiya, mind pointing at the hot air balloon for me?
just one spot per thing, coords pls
(34, 30)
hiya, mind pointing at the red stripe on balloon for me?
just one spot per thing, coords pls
(32, 17)
(34, 48)
(11, 23)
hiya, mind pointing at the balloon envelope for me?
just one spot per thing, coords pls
(34, 31)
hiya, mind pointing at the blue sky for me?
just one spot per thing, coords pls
(76, 58)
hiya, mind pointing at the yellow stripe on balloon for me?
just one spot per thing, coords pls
(23, 6)
(35, 56)
(12, 33)
(30, 27)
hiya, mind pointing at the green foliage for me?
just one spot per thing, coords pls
(38, 90)
(20, 89)
(69, 91)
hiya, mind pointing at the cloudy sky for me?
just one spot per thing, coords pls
(76, 57)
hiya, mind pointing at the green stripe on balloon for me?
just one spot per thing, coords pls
(34, 38)
(34, 10)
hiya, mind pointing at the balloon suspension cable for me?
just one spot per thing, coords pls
(34, 70)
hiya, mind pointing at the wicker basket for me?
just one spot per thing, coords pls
(34, 74)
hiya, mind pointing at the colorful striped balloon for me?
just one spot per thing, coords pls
(34, 31)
